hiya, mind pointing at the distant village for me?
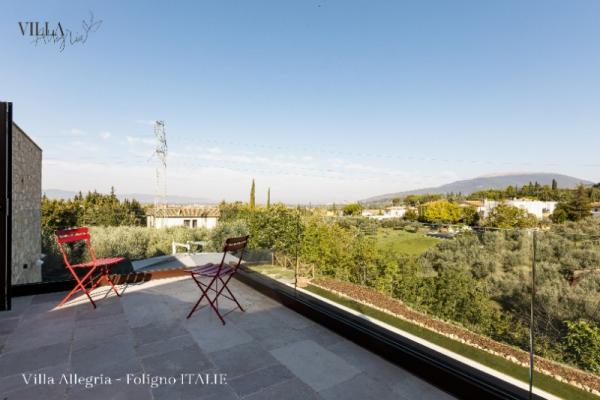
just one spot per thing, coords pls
(197, 216)
(540, 209)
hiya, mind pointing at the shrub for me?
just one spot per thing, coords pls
(352, 209)
(506, 217)
(131, 242)
(136, 243)
(582, 344)
(225, 230)
(442, 211)
(411, 215)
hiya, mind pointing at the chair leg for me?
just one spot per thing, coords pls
(212, 303)
(195, 306)
(216, 299)
(78, 287)
(204, 294)
(231, 294)
(75, 290)
(216, 309)
(112, 284)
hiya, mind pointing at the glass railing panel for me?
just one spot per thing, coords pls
(470, 287)
(567, 305)
(273, 230)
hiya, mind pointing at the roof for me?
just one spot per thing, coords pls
(474, 203)
(596, 204)
(191, 212)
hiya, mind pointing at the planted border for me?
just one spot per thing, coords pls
(381, 302)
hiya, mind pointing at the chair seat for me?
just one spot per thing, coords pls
(211, 270)
(100, 262)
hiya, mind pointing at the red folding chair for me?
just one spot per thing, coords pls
(219, 273)
(78, 235)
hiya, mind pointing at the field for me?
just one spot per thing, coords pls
(274, 271)
(399, 241)
(404, 242)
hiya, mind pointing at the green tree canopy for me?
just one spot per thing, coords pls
(578, 207)
(416, 199)
(506, 217)
(93, 209)
(582, 344)
(469, 216)
(442, 211)
(352, 209)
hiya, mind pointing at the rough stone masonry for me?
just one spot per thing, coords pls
(26, 208)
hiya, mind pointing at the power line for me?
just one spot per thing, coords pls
(310, 150)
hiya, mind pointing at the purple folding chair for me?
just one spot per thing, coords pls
(218, 273)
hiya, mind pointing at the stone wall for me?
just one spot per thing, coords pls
(26, 204)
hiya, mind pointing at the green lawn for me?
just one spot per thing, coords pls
(501, 364)
(404, 242)
(274, 271)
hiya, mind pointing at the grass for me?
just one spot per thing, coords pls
(274, 271)
(500, 364)
(404, 242)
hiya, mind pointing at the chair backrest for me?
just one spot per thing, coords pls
(72, 235)
(235, 244)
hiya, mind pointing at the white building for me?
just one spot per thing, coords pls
(390, 212)
(541, 209)
(371, 213)
(395, 212)
(192, 217)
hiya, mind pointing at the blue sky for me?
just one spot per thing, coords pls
(321, 100)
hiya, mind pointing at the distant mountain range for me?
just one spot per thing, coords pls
(141, 197)
(499, 181)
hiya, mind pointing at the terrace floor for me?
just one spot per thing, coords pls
(268, 352)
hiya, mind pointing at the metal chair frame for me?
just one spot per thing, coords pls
(218, 273)
(65, 236)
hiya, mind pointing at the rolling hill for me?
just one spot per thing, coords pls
(499, 181)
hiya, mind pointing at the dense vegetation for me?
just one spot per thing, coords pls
(93, 209)
(573, 205)
(535, 191)
(480, 279)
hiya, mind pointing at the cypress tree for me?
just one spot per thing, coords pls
(253, 195)
(579, 207)
(268, 197)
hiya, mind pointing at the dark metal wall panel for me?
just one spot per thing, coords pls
(5, 204)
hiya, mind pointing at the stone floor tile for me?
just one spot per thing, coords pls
(253, 382)
(211, 335)
(314, 365)
(31, 360)
(242, 359)
(358, 388)
(412, 387)
(189, 359)
(165, 345)
(157, 332)
(376, 367)
(293, 389)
